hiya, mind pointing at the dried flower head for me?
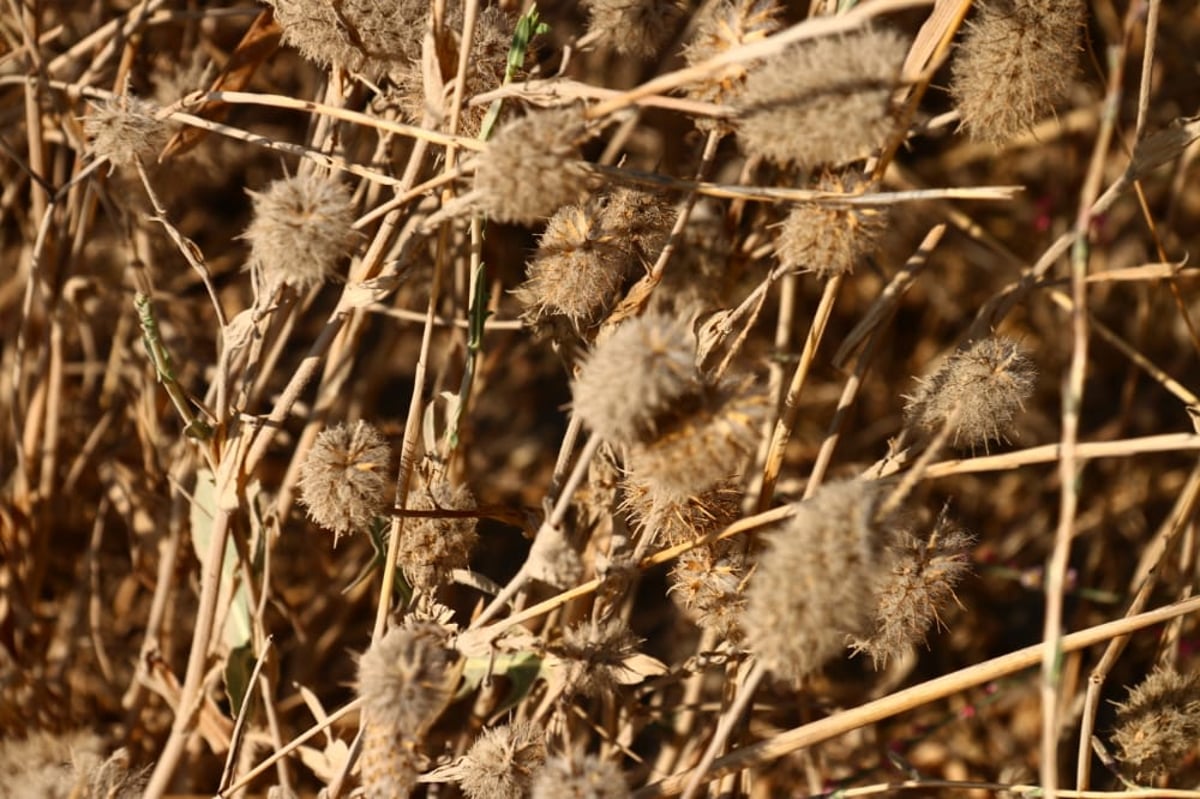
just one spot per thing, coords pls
(638, 28)
(630, 380)
(579, 268)
(910, 598)
(343, 482)
(709, 584)
(431, 548)
(301, 229)
(829, 239)
(677, 520)
(1016, 61)
(502, 761)
(579, 776)
(727, 25)
(532, 166)
(354, 34)
(595, 656)
(642, 220)
(824, 101)
(124, 130)
(703, 446)
(1159, 724)
(816, 585)
(979, 389)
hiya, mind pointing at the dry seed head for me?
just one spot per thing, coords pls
(431, 548)
(702, 449)
(354, 34)
(124, 130)
(532, 166)
(389, 763)
(919, 586)
(403, 678)
(824, 101)
(502, 761)
(343, 482)
(579, 268)
(815, 586)
(828, 239)
(634, 27)
(980, 389)
(729, 24)
(674, 520)
(642, 220)
(301, 229)
(634, 377)
(709, 582)
(1016, 61)
(596, 655)
(1158, 726)
(579, 776)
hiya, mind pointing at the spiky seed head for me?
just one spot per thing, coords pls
(675, 520)
(579, 776)
(815, 586)
(640, 219)
(634, 27)
(595, 655)
(728, 24)
(432, 548)
(403, 678)
(829, 239)
(631, 379)
(532, 167)
(502, 761)
(980, 389)
(701, 449)
(124, 130)
(916, 589)
(301, 229)
(344, 480)
(578, 270)
(1017, 60)
(371, 35)
(823, 102)
(1159, 724)
(709, 584)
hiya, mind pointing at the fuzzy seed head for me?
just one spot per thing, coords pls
(532, 167)
(979, 389)
(596, 655)
(729, 24)
(355, 34)
(579, 776)
(1159, 724)
(642, 220)
(343, 482)
(578, 271)
(301, 229)
(638, 28)
(502, 761)
(668, 518)
(403, 678)
(824, 101)
(389, 762)
(700, 450)
(708, 583)
(125, 130)
(920, 584)
(432, 548)
(636, 376)
(1016, 61)
(815, 586)
(828, 239)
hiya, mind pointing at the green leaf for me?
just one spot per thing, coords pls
(238, 669)
(521, 669)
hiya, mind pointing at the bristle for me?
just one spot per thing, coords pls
(1159, 724)
(502, 761)
(125, 130)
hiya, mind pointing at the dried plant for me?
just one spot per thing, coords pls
(1158, 725)
(344, 479)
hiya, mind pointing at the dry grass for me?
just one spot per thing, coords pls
(171, 620)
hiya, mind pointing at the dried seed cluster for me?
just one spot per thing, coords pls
(979, 390)
(1016, 61)
(829, 239)
(727, 25)
(344, 480)
(1159, 724)
(824, 101)
(579, 776)
(502, 761)
(125, 130)
(431, 548)
(638, 28)
(301, 229)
